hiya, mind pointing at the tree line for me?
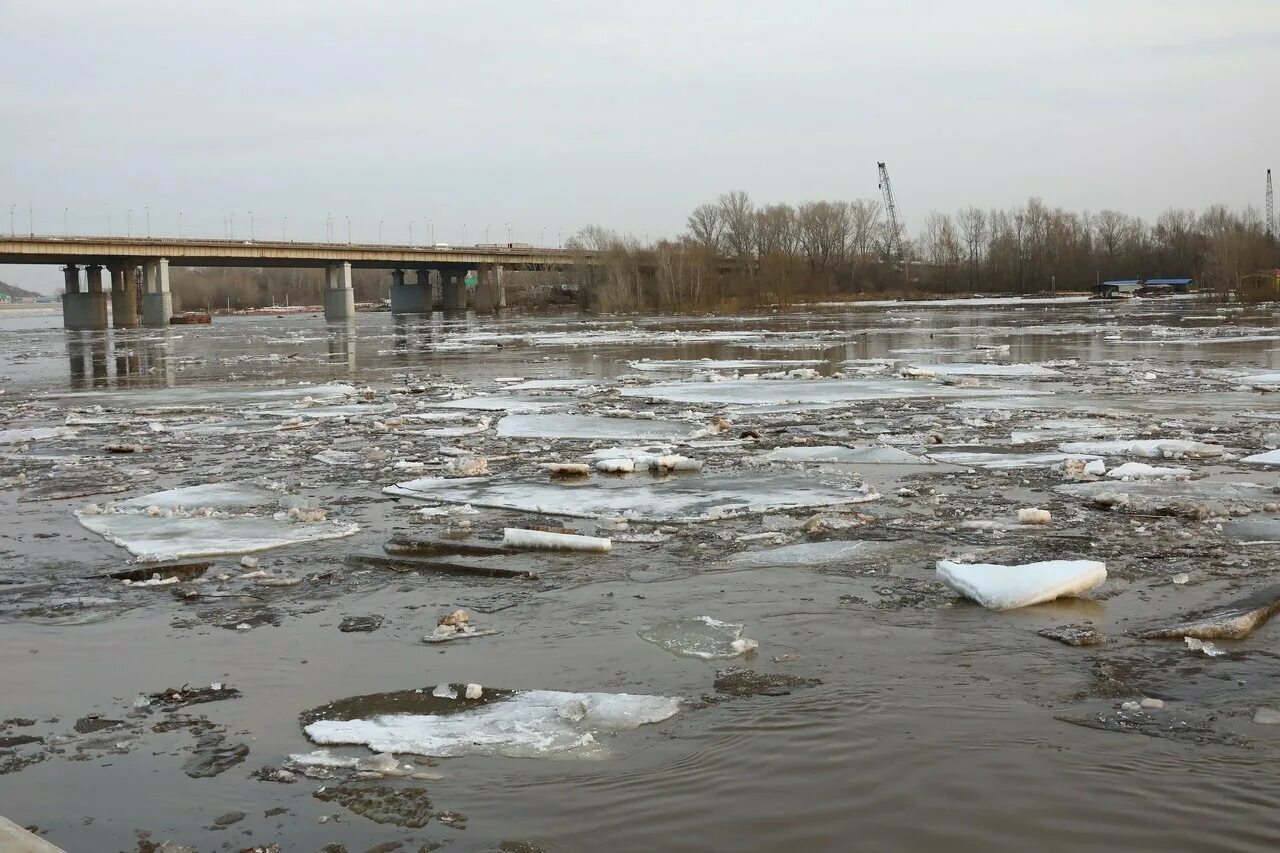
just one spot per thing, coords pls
(735, 254)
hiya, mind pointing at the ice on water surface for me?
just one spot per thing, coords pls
(203, 521)
(700, 637)
(153, 539)
(673, 499)
(809, 553)
(575, 426)
(771, 391)
(21, 436)
(533, 724)
(999, 587)
(995, 369)
(837, 453)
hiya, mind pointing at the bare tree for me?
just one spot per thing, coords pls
(706, 226)
(738, 214)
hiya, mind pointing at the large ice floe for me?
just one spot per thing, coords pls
(814, 391)
(575, 426)
(840, 453)
(998, 460)
(205, 520)
(673, 499)
(1271, 458)
(995, 370)
(676, 364)
(999, 587)
(29, 434)
(1149, 448)
(532, 724)
(205, 395)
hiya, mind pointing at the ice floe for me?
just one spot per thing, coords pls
(206, 520)
(576, 426)
(839, 453)
(1143, 471)
(533, 724)
(999, 587)
(995, 369)
(675, 499)
(701, 637)
(997, 460)
(1271, 457)
(826, 391)
(1150, 448)
(22, 436)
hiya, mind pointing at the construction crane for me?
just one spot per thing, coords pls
(893, 242)
(1271, 209)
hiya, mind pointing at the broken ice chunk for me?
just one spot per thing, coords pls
(999, 587)
(534, 724)
(514, 537)
(701, 637)
(1203, 646)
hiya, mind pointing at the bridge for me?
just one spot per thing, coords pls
(83, 259)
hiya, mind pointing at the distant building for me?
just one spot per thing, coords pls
(1118, 287)
(4, 297)
(1262, 282)
(1142, 287)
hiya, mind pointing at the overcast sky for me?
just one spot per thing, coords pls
(553, 115)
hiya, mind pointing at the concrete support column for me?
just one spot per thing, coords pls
(410, 298)
(124, 297)
(454, 287)
(339, 297)
(157, 302)
(84, 309)
(71, 279)
(486, 301)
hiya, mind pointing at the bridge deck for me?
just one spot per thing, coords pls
(265, 253)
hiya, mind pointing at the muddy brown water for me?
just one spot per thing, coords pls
(936, 725)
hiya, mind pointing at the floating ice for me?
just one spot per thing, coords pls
(353, 410)
(808, 554)
(153, 539)
(205, 395)
(701, 637)
(674, 499)
(837, 453)
(1206, 648)
(995, 369)
(535, 724)
(509, 403)
(722, 364)
(204, 520)
(222, 496)
(514, 537)
(998, 587)
(338, 457)
(1153, 494)
(21, 436)
(573, 426)
(1143, 471)
(771, 391)
(1271, 457)
(1152, 448)
(983, 459)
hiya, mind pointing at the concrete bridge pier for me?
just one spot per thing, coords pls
(491, 291)
(412, 298)
(339, 297)
(84, 308)
(124, 296)
(157, 302)
(454, 287)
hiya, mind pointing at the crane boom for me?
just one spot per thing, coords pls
(893, 243)
(1271, 209)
